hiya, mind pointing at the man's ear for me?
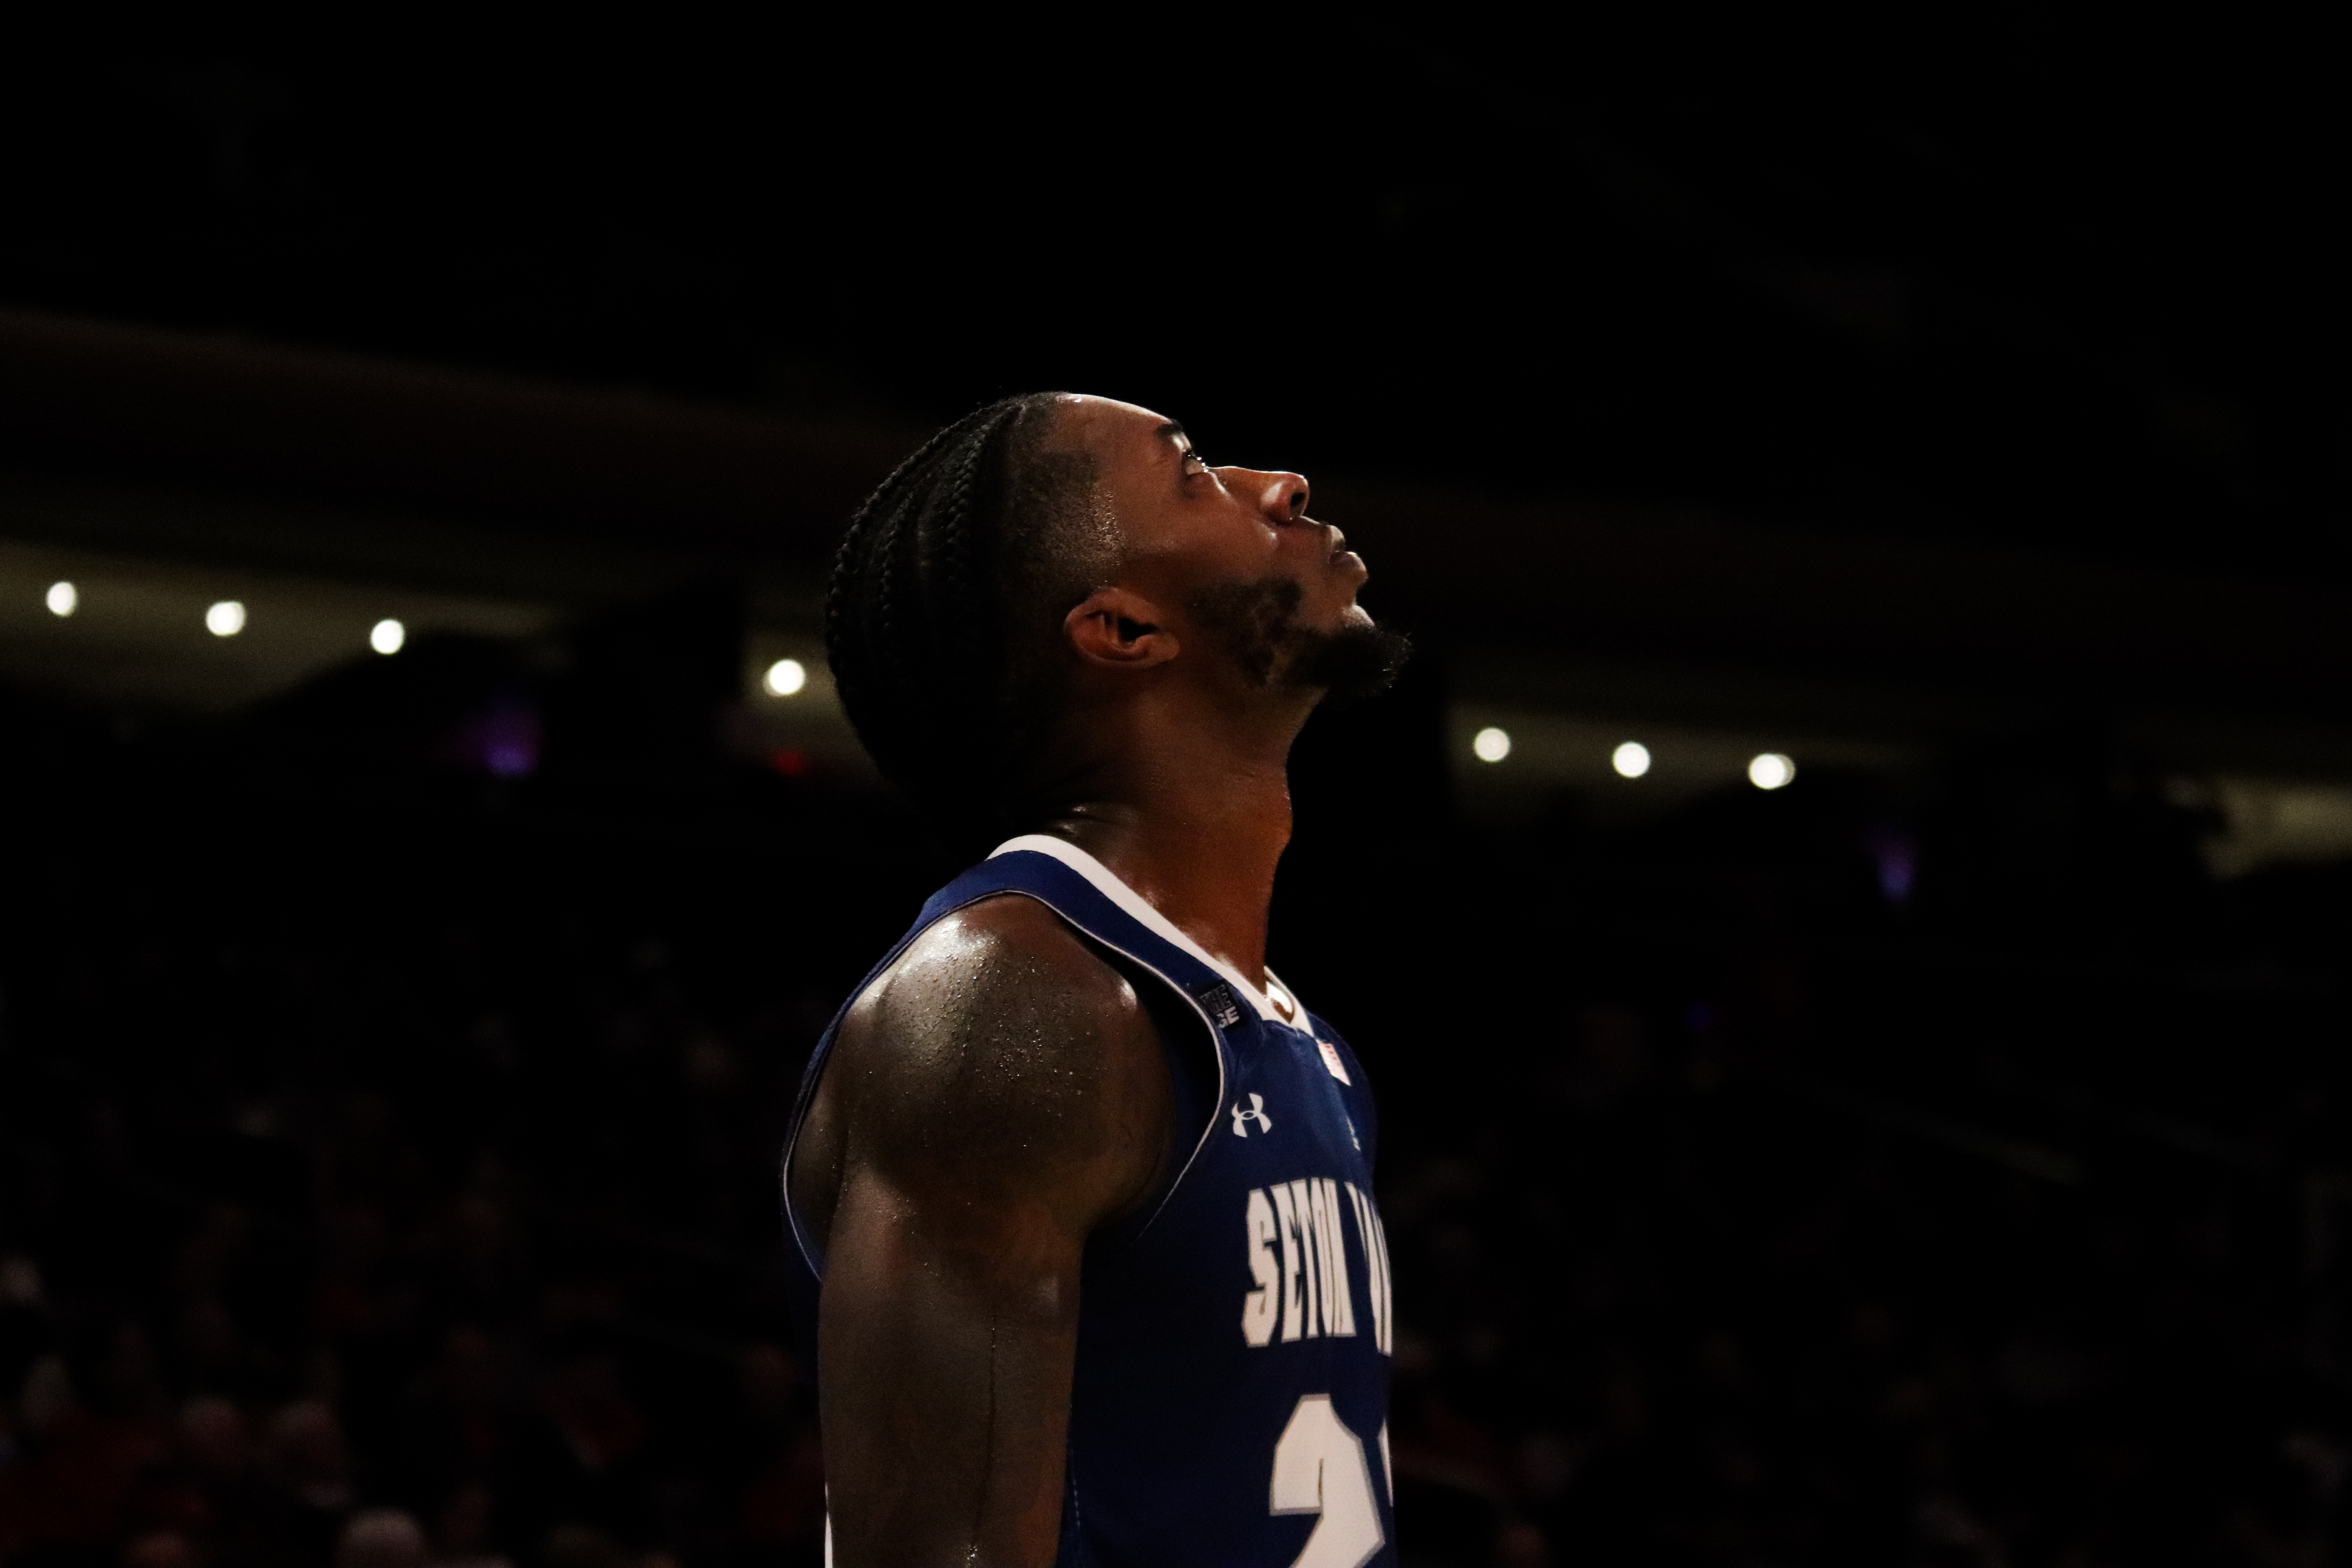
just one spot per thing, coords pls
(1119, 626)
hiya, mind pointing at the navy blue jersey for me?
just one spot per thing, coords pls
(1230, 1401)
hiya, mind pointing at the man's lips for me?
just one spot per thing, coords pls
(1342, 558)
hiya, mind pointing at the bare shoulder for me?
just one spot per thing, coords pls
(1000, 1052)
(1002, 968)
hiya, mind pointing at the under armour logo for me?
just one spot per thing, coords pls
(1254, 1112)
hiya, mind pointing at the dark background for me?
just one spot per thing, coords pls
(1937, 1161)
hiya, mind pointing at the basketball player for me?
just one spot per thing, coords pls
(1080, 1194)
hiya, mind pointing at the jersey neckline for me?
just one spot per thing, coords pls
(1134, 903)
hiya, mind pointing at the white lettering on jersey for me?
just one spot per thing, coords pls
(1369, 1231)
(1294, 1300)
(1262, 1307)
(1302, 1204)
(1308, 1290)
(1339, 1300)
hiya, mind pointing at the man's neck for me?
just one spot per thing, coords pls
(1195, 818)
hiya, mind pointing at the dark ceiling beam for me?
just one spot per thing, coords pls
(1540, 580)
(512, 455)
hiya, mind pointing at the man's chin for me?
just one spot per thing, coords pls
(1360, 660)
(1259, 622)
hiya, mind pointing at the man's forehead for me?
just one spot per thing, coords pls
(1112, 429)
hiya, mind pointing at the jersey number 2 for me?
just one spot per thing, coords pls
(1319, 1468)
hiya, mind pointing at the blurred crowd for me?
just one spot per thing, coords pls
(360, 1326)
(1715, 1321)
(387, 1163)
(391, 1182)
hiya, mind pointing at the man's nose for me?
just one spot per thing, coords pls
(1284, 497)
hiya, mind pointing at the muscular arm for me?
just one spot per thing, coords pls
(995, 1099)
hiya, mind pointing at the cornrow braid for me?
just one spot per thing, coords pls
(917, 612)
(855, 592)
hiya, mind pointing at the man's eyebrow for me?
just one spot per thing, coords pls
(1171, 431)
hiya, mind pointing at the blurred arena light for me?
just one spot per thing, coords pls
(1491, 744)
(786, 677)
(132, 615)
(1630, 760)
(225, 618)
(1770, 770)
(387, 635)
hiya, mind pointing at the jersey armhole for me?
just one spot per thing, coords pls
(1194, 1079)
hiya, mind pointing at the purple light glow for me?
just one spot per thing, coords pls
(1898, 865)
(503, 742)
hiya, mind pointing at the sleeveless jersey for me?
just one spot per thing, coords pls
(1231, 1399)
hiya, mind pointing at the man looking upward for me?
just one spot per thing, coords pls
(1080, 1194)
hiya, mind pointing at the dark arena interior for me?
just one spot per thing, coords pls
(1895, 1114)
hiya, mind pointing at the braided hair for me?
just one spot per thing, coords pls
(946, 596)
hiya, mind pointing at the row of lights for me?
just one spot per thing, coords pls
(1766, 770)
(225, 618)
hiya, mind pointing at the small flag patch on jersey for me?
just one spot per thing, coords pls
(1216, 1000)
(1331, 1060)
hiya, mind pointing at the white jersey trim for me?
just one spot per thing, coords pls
(1135, 904)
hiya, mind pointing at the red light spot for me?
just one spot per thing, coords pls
(790, 763)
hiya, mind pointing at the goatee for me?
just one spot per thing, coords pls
(1258, 623)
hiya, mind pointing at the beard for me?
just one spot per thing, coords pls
(1257, 625)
